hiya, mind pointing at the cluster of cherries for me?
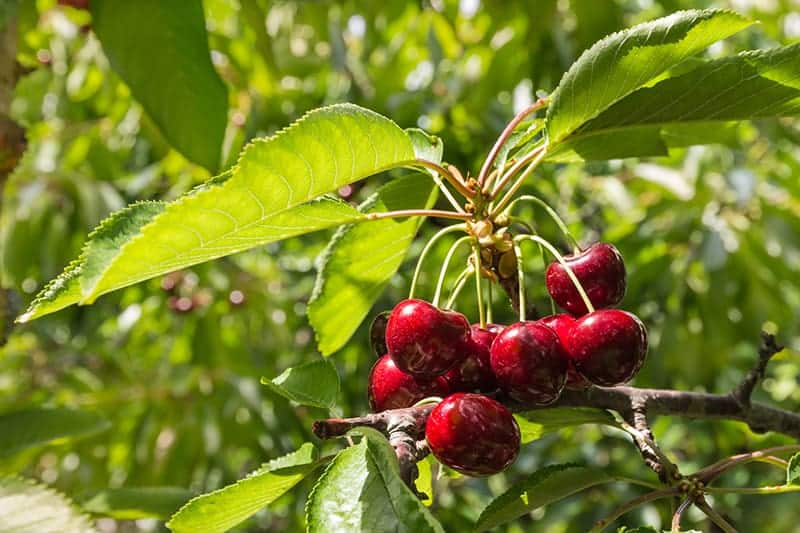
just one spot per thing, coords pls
(434, 352)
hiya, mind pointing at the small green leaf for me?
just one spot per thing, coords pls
(223, 509)
(693, 107)
(624, 61)
(426, 146)
(543, 487)
(160, 49)
(361, 491)
(272, 194)
(29, 428)
(424, 481)
(28, 507)
(534, 424)
(132, 503)
(360, 260)
(315, 383)
(793, 470)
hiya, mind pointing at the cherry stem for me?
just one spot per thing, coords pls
(451, 178)
(551, 212)
(476, 251)
(489, 298)
(459, 284)
(418, 213)
(505, 135)
(520, 280)
(506, 175)
(540, 153)
(445, 265)
(632, 504)
(437, 179)
(567, 268)
(428, 246)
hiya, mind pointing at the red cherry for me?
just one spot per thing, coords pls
(529, 362)
(391, 388)
(600, 270)
(473, 434)
(608, 346)
(474, 372)
(562, 324)
(424, 340)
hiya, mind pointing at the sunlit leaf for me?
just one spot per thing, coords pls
(314, 383)
(28, 507)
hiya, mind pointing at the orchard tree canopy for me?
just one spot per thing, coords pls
(435, 266)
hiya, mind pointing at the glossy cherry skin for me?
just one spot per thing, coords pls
(562, 324)
(473, 434)
(391, 388)
(424, 340)
(608, 346)
(529, 362)
(474, 372)
(600, 270)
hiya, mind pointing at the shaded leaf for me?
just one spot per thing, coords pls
(267, 197)
(360, 260)
(543, 487)
(361, 491)
(627, 60)
(28, 507)
(132, 503)
(793, 470)
(160, 49)
(29, 428)
(314, 383)
(534, 424)
(225, 508)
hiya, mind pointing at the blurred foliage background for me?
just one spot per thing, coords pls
(711, 238)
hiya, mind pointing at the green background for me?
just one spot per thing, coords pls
(710, 235)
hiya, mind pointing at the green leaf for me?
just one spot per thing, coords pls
(692, 108)
(543, 487)
(267, 197)
(624, 61)
(223, 509)
(360, 260)
(29, 428)
(314, 383)
(361, 490)
(424, 481)
(132, 503)
(793, 470)
(28, 507)
(534, 424)
(160, 49)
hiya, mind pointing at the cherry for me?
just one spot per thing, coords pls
(424, 340)
(600, 270)
(529, 362)
(608, 346)
(474, 372)
(473, 434)
(562, 324)
(391, 388)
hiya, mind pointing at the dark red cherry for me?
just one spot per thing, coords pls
(474, 372)
(529, 362)
(424, 340)
(391, 388)
(473, 434)
(562, 325)
(608, 346)
(600, 270)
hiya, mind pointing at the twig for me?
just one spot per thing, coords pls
(766, 351)
(707, 474)
(714, 516)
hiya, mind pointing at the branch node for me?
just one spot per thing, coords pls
(742, 393)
